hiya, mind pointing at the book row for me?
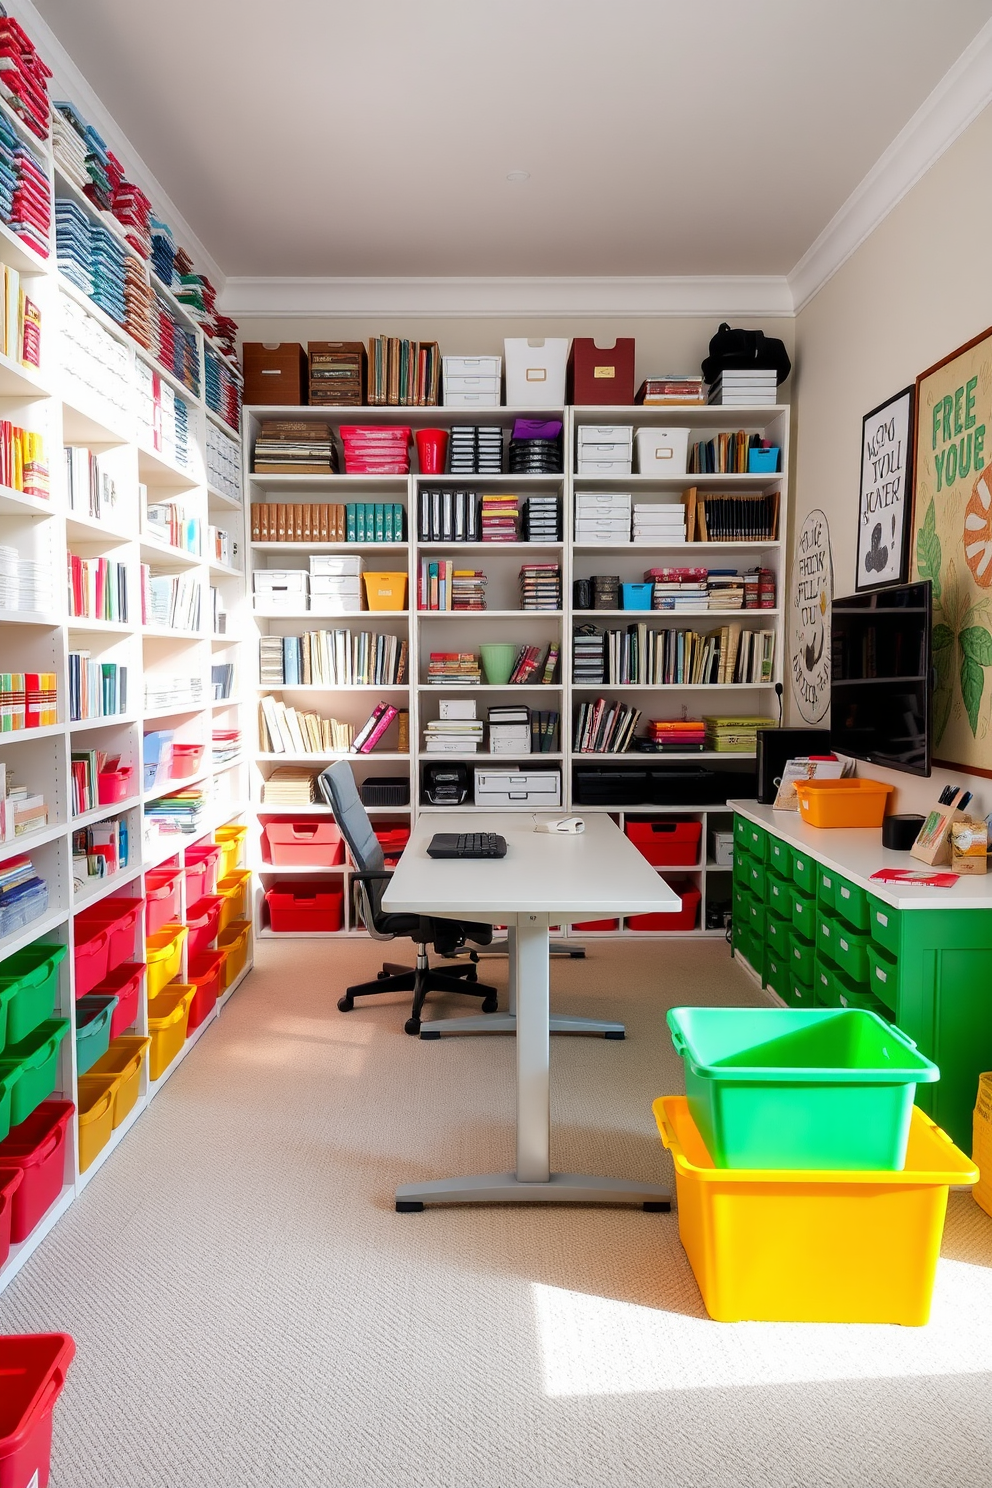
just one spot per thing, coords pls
(353, 521)
(333, 658)
(640, 656)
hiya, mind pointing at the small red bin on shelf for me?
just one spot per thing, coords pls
(682, 919)
(592, 926)
(124, 983)
(304, 907)
(162, 898)
(119, 918)
(113, 786)
(205, 973)
(202, 919)
(392, 840)
(666, 843)
(37, 1148)
(186, 760)
(33, 1368)
(201, 869)
(304, 844)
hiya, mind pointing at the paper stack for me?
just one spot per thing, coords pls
(661, 524)
(456, 731)
(454, 667)
(509, 730)
(750, 387)
(500, 515)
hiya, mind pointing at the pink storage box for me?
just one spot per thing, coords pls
(119, 917)
(304, 844)
(113, 786)
(202, 919)
(186, 760)
(162, 898)
(90, 957)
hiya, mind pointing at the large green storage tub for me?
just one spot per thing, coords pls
(29, 985)
(791, 1088)
(34, 1065)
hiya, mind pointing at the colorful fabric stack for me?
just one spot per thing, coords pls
(72, 244)
(139, 303)
(163, 250)
(31, 209)
(376, 449)
(500, 515)
(175, 347)
(223, 389)
(224, 331)
(133, 211)
(107, 259)
(24, 77)
(68, 145)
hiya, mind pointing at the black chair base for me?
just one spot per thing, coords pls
(420, 980)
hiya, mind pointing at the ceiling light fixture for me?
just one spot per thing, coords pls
(518, 175)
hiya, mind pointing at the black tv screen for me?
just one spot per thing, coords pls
(880, 691)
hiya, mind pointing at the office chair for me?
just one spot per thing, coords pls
(337, 786)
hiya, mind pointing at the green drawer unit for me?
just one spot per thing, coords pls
(884, 922)
(755, 883)
(825, 990)
(802, 958)
(804, 871)
(851, 953)
(778, 895)
(757, 915)
(800, 993)
(779, 857)
(826, 883)
(777, 974)
(826, 938)
(755, 840)
(778, 936)
(742, 828)
(742, 861)
(851, 904)
(804, 914)
(883, 975)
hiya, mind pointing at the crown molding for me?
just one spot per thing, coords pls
(615, 298)
(72, 84)
(960, 96)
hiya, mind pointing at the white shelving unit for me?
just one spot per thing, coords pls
(504, 621)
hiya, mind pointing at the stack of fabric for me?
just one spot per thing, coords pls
(139, 305)
(31, 203)
(163, 250)
(107, 259)
(72, 243)
(133, 211)
(69, 147)
(24, 77)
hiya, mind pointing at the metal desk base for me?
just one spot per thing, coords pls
(507, 1188)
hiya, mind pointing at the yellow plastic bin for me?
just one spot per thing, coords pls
(234, 890)
(385, 591)
(123, 1060)
(792, 1246)
(235, 940)
(230, 840)
(163, 955)
(95, 1104)
(168, 1015)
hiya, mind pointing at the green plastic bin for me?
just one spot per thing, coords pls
(825, 992)
(800, 993)
(885, 924)
(742, 859)
(804, 872)
(94, 1015)
(778, 895)
(803, 957)
(742, 829)
(857, 997)
(850, 951)
(779, 856)
(8, 1079)
(804, 914)
(851, 905)
(826, 937)
(799, 1088)
(755, 840)
(34, 1065)
(883, 976)
(777, 974)
(757, 916)
(29, 985)
(778, 934)
(826, 887)
(755, 881)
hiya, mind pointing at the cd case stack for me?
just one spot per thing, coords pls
(588, 656)
(542, 519)
(475, 450)
(535, 447)
(337, 372)
(540, 586)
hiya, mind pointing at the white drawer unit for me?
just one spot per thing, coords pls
(334, 565)
(464, 366)
(472, 400)
(622, 434)
(534, 788)
(604, 467)
(602, 503)
(281, 581)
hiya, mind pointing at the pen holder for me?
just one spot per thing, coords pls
(933, 845)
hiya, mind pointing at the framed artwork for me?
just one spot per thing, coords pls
(952, 547)
(886, 503)
(810, 615)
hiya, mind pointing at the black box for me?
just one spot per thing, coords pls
(385, 790)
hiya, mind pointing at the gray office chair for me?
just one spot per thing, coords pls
(337, 786)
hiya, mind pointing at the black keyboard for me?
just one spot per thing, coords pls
(467, 845)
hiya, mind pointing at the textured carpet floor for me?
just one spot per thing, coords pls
(250, 1312)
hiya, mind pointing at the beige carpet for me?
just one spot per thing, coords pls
(251, 1313)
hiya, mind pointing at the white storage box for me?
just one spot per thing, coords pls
(536, 789)
(472, 400)
(606, 434)
(613, 523)
(600, 534)
(281, 580)
(463, 708)
(335, 584)
(471, 385)
(607, 502)
(603, 467)
(722, 849)
(535, 371)
(335, 604)
(336, 565)
(604, 451)
(662, 451)
(466, 366)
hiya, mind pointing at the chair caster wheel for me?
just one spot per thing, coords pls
(432, 1033)
(491, 1005)
(577, 955)
(614, 1035)
(472, 975)
(381, 976)
(409, 1206)
(346, 1005)
(412, 1026)
(664, 1206)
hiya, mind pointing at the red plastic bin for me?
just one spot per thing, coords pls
(202, 858)
(202, 919)
(124, 983)
(392, 840)
(33, 1367)
(665, 843)
(186, 760)
(90, 957)
(197, 877)
(119, 917)
(304, 844)
(162, 898)
(37, 1147)
(591, 925)
(306, 907)
(683, 919)
(113, 786)
(206, 974)
(10, 1181)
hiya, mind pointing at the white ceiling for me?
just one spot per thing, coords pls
(313, 137)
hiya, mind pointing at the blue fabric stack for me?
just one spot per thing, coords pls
(107, 259)
(72, 244)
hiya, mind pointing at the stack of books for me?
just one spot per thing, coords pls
(221, 681)
(499, 518)
(535, 664)
(727, 454)
(291, 731)
(337, 372)
(676, 736)
(162, 691)
(86, 766)
(25, 583)
(540, 586)
(604, 727)
(454, 667)
(354, 521)
(97, 589)
(456, 730)
(168, 523)
(403, 372)
(468, 589)
(289, 785)
(736, 735)
(441, 586)
(21, 811)
(750, 387)
(759, 589)
(738, 518)
(294, 447)
(97, 689)
(661, 524)
(333, 658)
(542, 519)
(724, 589)
(588, 656)
(180, 813)
(475, 450)
(27, 700)
(678, 588)
(673, 391)
(171, 601)
(746, 656)
(225, 745)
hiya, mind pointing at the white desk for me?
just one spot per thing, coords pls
(543, 880)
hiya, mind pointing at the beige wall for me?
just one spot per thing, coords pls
(920, 286)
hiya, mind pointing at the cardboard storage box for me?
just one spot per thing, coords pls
(275, 372)
(537, 789)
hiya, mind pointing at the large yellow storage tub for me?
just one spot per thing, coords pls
(163, 956)
(95, 1103)
(124, 1059)
(813, 1247)
(235, 940)
(233, 889)
(168, 1015)
(229, 840)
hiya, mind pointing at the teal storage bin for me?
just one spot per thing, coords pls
(762, 461)
(34, 1065)
(94, 1016)
(799, 1088)
(637, 596)
(29, 986)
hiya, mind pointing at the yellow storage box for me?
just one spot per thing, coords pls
(385, 591)
(234, 889)
(230, 840)
(163, 957)
(168, 1016)
(235, 940)
(124, 1059)
(795, 1246)
(95, 1104)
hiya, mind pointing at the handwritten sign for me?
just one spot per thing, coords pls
(886, 486)
(812, 592)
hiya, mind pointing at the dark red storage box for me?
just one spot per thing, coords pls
(205, 973)
(162, 898)
(203, 918)
(598, 375)
(666, 843)
(33, 1367)
(597, 925)
(37, 1147)
(10, 1181)
(683, 919)
(124, 983)
(304, 907)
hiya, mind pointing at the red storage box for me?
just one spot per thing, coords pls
(113, 786)
(37, 1147)
(186, 760)
(119, 917)
(598, 375)
(666, 843)
(683, 919)
(392, 840)
(197, 877)
(304, 907)
(33, 1368)
(206, 974)
(124, 983)
(89, 956)
(10, 1181)
(592, 925)
(163, 901)
(202, 918)
(304, 844)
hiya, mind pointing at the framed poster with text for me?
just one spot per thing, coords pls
(886, 500)
(812, 598)
(952, 547)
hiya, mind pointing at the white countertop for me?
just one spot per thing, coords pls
(597, 872)
(857, 853)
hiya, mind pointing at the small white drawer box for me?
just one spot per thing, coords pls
(279, 603)
(335, 604)
(722, 848)
(605, 502)
(605, 452)
(465, 366)
(604, 467)
(337, 565)
(470, 385)
(534, 788)
(335, 584)
(472, 400)
(607, 434)
(281, 580)
(662, 451)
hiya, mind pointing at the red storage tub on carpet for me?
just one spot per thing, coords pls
(37, 1147)
(304, 844)
(304, 907)
(666, 843)
(205, 973)
(119, 917)
(683, 919)
(124, 983)
(10, 1182)
(162, 898)
(202, 919)
(33, 1367)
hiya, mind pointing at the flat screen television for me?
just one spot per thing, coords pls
(881, 685)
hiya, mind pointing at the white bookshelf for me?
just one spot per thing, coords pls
(433, 630)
